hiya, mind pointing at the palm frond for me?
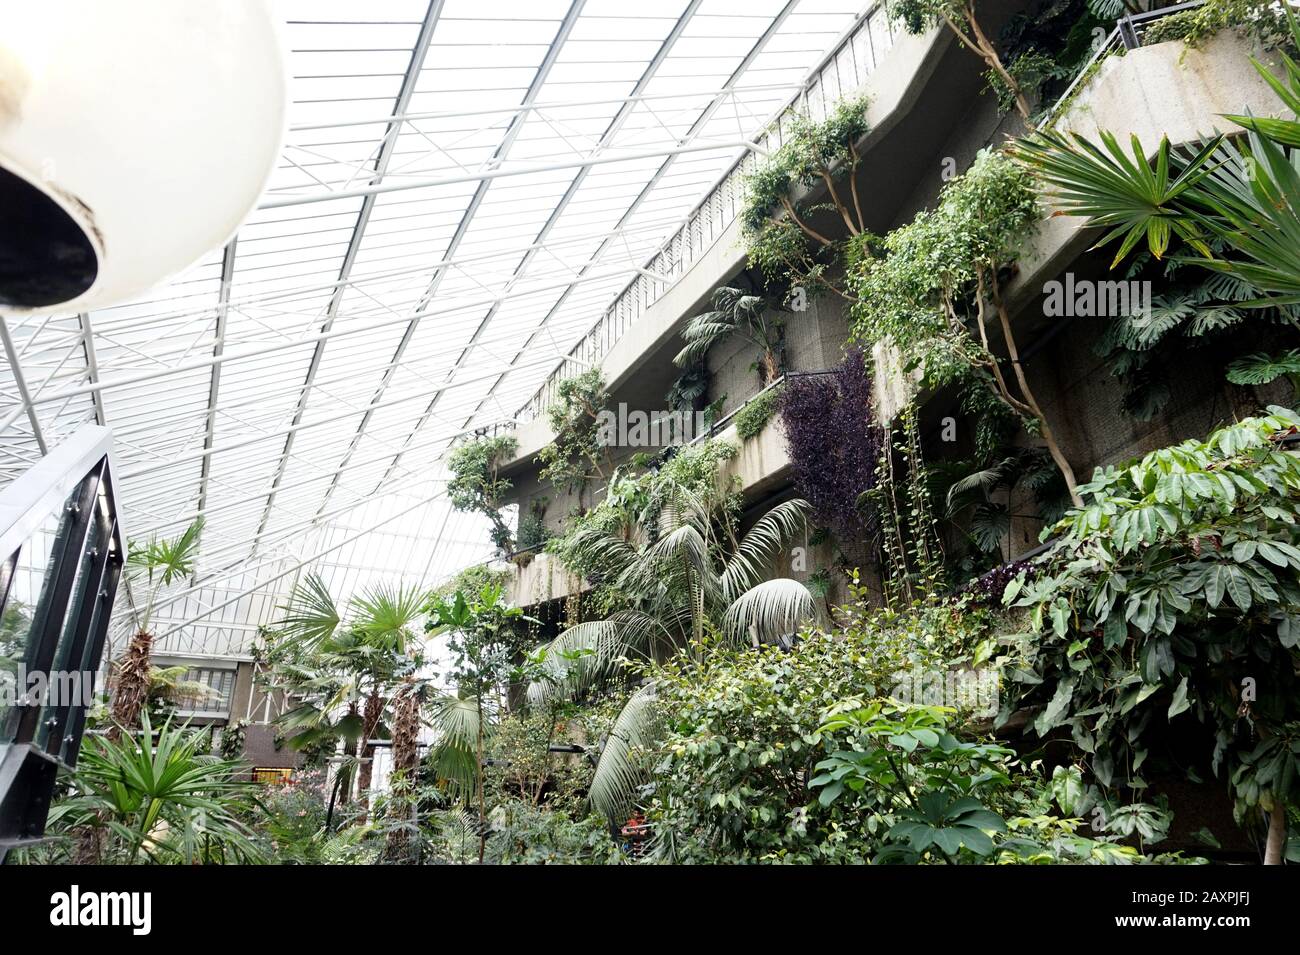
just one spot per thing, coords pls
(983, 480)
(1260, 369)
(1136, 198)
(310, 617)
(167, 559)
(588, 655)
(770, 611)
(622, 766)
(759, 547)
(454, 757)
(385, 613)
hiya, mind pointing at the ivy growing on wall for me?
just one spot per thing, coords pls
(753, 418)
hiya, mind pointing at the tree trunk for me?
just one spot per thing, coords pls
(482, 805)
(349, 750)
(369, 725)
(1275, 848)
(1049, 438)
(132, 690)
(90, 846)
(406, 734)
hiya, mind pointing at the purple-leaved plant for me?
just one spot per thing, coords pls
(834, 443)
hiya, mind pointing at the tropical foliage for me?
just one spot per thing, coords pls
(735, 313)
(577, 454)
(932, 289)
(797, 238)
(1167, 600)
(476, 485)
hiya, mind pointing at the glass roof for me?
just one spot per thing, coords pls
(465, 188)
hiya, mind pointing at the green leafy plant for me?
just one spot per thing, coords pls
(1176, 591)
(784, 237)
(757, 412)
(577, 455)
(160, 800)
(1245, 194)
(1260, 369)
(905, 759)
(932, 289)
(486, 641)
(735, 312)
(959, 16)
(476, 486)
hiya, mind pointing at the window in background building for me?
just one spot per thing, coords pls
(271, 775)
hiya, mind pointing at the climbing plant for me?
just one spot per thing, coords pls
(932, 290)
(577, 455)
(834, 443)
(785, 237)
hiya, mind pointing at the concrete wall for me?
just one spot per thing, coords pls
(1160, 88)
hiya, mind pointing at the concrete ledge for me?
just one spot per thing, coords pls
(1164, 90)
(762, 464)
(1168, 90)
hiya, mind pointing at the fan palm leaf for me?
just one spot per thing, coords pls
(1136, 198)
(455, 721)
(383, 614)
(310, 617)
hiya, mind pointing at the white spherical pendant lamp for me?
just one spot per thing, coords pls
(135, 136)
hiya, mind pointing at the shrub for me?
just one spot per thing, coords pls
(743, 736)
(753, 418)
(1175, 596)
(475, 485)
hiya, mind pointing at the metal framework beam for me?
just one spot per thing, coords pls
(466, 219)
(486, 175)
(214, 385)
(262, 585)
(759, 45)
(20, 382)
(389, 145)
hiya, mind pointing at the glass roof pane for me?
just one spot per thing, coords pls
(444, 226)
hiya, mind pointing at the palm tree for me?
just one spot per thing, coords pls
(152, 567)
(330, 664)
(735, 312)
(407, 722)
(686, 575)
(1244, 197)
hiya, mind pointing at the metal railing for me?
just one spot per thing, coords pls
(841, 72)
(61, 557)
(1128, 34)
